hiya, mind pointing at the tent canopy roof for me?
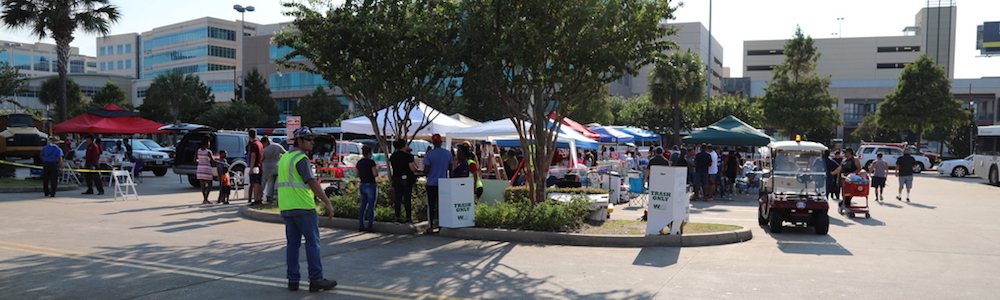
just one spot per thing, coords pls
(422, 114)
(611, 135)
(729, 131)
(108, 119)
(504, 132)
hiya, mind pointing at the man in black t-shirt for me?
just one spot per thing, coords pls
(702, 161)
(403, 177)
(656, 160)
(904, 170)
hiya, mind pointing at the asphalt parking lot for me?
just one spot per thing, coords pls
(168, 246)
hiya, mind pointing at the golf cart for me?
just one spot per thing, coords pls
(793, 188)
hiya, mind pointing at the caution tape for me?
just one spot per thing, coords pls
(64, 169)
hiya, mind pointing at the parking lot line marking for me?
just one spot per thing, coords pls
(208, 273)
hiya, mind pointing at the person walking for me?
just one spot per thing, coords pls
(52, 162)
(713, 172)
(848, 166)
(702, 162)
(368, 188)
(205, 159)
(832, 189)
(255, 162)
(904, 170)
(91, 160)
(437, 163)
(880, 169)
(403, 178)
(297, 189)
(731, 169)
(269, 169)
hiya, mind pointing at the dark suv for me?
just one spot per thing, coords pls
(234, 142)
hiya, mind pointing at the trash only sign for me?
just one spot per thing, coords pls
(668, 201)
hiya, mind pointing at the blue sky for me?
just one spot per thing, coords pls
(733, 22)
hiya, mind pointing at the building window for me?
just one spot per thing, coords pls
(102, 51)
(141, 92)
(76, 66)
(891, 65)
(22, 61)
(199, 51)
(760, 68)
(766, 52)
(188, 35)
(121, 49)
(91, 64)
(111, 65)
(128, 48)
(128, 63)
(41, 63)
(278, 52)
(104, 66)
(121, 64)
(296, 81)
(857, 109)
(899, 49)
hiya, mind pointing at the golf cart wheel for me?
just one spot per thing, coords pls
(776, 219)
(822, 220)
(868, 216)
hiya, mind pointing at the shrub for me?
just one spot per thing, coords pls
(347, 201)
(544, 216)
(7, 171)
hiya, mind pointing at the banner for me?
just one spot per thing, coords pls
(291, 124)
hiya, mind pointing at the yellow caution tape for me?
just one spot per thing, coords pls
(64, 169)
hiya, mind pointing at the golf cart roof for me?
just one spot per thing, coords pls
(793, 145)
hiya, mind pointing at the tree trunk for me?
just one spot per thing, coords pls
(676, 140)
(62, 52)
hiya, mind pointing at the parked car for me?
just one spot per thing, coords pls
(234, 142)
(868, 153)
(153, 145)
(156, 161)
(957, 167)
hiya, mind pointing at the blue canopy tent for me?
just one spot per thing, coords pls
(641, 135)
(612, 136)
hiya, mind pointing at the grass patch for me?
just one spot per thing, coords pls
(634, 227)
(11, 182)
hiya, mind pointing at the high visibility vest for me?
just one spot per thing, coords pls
(479, 183)
(293, 192)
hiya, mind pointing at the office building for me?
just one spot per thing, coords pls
(692, 37)
(39, 60)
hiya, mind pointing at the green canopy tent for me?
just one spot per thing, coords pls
(729, 131)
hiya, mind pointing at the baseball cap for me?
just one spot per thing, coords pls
(436, 138)
(658, 150)
(675, 147)
(302, 132)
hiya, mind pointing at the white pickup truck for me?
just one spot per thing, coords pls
(867, 154)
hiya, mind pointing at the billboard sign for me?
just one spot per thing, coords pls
(991, 38)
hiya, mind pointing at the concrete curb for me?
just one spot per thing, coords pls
(534, 237)
(34, 189)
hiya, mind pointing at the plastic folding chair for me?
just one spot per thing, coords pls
(124, 185)
(69, 175)
(637, 192)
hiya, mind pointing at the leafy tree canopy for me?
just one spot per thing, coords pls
(175, 97)
(870, 131)
(596, 109)
(236, 115)
(922, 100)
(48, 94)
(319, 107)
(677, 79)
(110, 93)
(259, 94)
(797, 100)
(10, 83)
(704, 113)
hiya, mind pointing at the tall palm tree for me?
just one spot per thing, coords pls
(677, 79)
(59, 19)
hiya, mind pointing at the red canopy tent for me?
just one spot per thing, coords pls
(577, 126)
(108, 119)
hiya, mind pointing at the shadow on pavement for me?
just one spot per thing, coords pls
(804, 240)
(921, 205)
(657, 256)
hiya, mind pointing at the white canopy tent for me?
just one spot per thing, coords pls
(466, 120)
(504, 132)
(436, 121)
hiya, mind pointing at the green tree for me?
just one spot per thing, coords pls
(555, 54)
(11, 82)
(319, 107)
(596, 109)
(870, 131)
(236, 115)
(922, 100)
(110, 93)
(476, 103)
(59, 19)
(380, 53)
(704, 113)
(677, 79)
(259, 94)
(175, 97)
(797, 100)
(641, 112)
(960, 143)
(48, 94)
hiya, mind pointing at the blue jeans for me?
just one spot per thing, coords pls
(369, 193)
(296, 227)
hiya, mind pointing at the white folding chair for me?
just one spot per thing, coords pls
(69, 175)
(124, 185)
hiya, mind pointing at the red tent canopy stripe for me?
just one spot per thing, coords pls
(577, 126)
(108, 119)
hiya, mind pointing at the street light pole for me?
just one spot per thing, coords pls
(243, 16)
(840, 28)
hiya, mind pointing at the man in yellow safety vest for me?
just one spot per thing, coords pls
(297, 189)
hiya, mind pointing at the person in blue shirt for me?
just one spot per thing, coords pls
(52, 162)
(437, 163)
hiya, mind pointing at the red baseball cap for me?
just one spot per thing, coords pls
(436, 138)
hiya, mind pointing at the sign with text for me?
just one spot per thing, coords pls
(668, 200)
(456, 207)
(291, 124)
